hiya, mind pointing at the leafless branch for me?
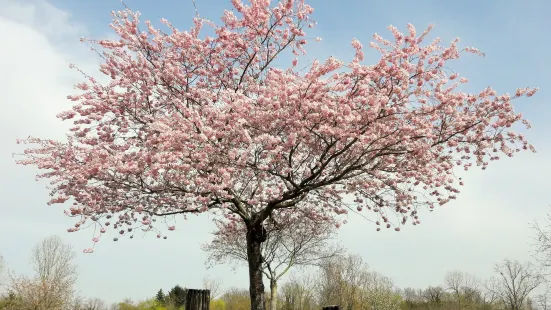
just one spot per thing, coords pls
(513, 283)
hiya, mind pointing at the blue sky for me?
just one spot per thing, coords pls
(489, 221)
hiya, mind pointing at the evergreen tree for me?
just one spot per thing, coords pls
(160, 296)
(178, 296)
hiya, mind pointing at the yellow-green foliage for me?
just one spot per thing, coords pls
(217, 304)
(237, 299)
(150, 304)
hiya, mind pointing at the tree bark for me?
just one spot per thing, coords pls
(197, 299)
(273, 294)
(254, 256)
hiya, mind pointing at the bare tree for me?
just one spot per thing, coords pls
(465, 288)
(94, 304)
(411, 297)
(435, 296)
(214, 286)
(290, 241)
(542, 246)
(340, 280)
(299, 293)
(80, 303)
(543, 300)
(348, 282)
(542, 254)
(513, 283)
(378, 292)
(52, 286)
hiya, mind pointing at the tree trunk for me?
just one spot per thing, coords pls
(273, 294)
(255, 237)
(197, 300)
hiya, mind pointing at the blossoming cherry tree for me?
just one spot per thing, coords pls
(191, 123)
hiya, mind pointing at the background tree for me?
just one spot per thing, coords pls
(53, 262)
(160, 297)
(94, 304)
(340, 280)
(126, 304)
(299, 293)
(149, 304)
(12, 302)
(87, 304)
(411, 298)
(237, 299)
(464, 289)
(513, 283)
(191, 123)
(55, 276)
(217, 304)
(435, 297)
(176, 297)
(214, 286)
(542, 246)
(379, 293)
(348, 282)
(291, 241)
(543, 299)
(542, 254)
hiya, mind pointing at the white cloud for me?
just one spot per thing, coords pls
(38, 43)
(42, 17)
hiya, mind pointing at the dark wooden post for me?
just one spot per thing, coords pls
(197, 300)
(331, 308)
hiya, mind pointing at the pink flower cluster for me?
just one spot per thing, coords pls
(191, 124)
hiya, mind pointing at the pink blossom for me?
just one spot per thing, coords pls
(191, 124)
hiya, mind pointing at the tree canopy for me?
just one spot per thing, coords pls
(192, 123)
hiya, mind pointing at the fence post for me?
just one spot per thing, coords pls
(333, 307)
(197, 300)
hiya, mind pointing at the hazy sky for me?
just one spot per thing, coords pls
(489, 222)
